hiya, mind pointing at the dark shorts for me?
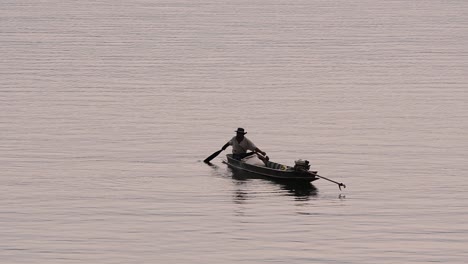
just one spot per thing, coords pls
(241, 155)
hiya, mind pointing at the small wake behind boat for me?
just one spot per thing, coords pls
(300, 172)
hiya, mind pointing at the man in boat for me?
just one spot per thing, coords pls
(240, 144)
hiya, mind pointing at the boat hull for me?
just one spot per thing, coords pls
(282, 172)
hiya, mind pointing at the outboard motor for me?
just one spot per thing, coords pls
(301, 165)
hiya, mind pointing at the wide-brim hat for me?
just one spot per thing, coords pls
(240, 130)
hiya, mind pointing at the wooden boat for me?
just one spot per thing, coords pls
(273, 170)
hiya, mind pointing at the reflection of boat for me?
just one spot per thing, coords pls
(273, 170)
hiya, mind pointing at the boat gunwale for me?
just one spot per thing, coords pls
(292, 174)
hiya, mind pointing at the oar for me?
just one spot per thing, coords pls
(212, 156)
(325, 178)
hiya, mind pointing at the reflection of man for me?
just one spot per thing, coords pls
(240, 144)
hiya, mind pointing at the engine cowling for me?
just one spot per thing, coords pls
(301, 165)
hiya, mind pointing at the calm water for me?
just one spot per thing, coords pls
(108, 107)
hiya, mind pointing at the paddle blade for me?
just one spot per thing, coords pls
(212, 156)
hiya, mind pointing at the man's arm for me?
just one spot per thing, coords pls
(259, 151)
(225, 146)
